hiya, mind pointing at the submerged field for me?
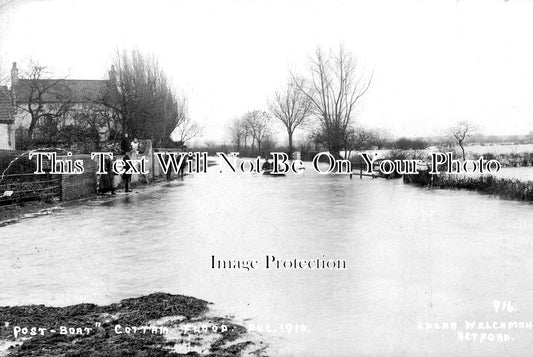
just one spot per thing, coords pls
(411, 256)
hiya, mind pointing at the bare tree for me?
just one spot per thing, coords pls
(146, 102)
(461, 131)
(237, 133)
(46, 101)
(381, 138)
(334, 86)
(291, 106)
(258, 124)
(361, 138)
(187, 130)
(357, 138)
(91, 124)
(268, 143)
(4, 4)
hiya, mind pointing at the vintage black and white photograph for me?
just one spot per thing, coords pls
(266, 178)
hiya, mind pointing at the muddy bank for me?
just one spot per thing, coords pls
(155, 325)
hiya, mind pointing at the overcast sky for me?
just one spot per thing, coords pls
(434, 62)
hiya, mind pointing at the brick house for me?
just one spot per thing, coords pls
(70, 109)
(7, 134)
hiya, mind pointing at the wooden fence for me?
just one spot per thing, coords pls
(19, 188)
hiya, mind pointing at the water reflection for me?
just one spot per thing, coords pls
(412, 254)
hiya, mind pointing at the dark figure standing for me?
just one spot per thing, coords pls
(107, 180)
(125, 145)
(181, 171)
(126, 176)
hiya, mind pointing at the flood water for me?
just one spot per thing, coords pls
(412, 255)
(520, 173)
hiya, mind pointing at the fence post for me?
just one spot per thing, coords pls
(60, 181)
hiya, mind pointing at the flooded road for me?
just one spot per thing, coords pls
(412, 255)
(520, 173)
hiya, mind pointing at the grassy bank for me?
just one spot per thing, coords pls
(505, 188)
(173, 326)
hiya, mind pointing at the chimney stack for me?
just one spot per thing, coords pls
(14, 75)
(113, 74)
(14, 80)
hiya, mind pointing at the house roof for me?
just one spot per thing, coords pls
(61, 90)
(6, 108)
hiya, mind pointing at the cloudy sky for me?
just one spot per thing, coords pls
(434, 62)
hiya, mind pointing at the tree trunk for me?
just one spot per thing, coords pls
(335, 151)
(30, 131)
(290, 143)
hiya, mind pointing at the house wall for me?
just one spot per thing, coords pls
(23, 118)
(7, 137)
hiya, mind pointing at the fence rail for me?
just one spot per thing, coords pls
(19, 188)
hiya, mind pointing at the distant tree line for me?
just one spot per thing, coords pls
(322, 101)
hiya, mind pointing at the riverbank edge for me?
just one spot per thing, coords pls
(505, 188)
(15, 213)
(174, 325)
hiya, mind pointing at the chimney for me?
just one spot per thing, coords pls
(14, 75)
(14, 80)
(113, 74)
